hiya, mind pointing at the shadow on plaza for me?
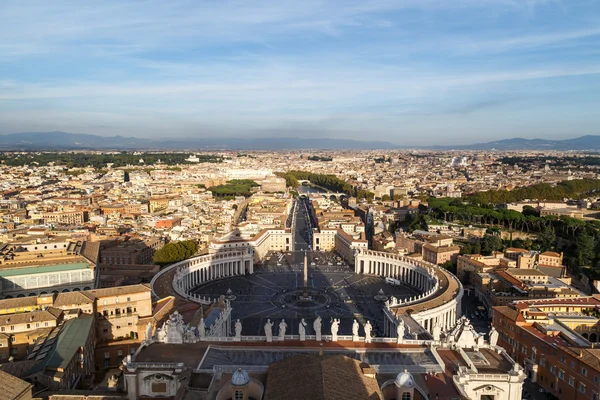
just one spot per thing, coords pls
(347, 295)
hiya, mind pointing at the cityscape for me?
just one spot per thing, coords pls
(316, 200)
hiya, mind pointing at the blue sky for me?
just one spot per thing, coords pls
(413, 72)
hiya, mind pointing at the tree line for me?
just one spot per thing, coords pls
(233, 188)
(541, 191)
(83, 160)
(174, 252)
(327, 181)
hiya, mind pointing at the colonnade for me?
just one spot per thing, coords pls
(404, 269)
(418, 274)
(195, 271)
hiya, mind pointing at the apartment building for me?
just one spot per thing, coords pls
(553, 339)
(21, 330)
(65, 217)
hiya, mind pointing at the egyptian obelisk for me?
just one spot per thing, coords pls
(305, 277)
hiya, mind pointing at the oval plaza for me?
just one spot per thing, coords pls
(274, 313)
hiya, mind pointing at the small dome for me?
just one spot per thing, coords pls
(404, 379)
(240, 378)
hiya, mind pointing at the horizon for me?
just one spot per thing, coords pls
(413, 73)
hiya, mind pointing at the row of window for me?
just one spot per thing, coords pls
(12, 327)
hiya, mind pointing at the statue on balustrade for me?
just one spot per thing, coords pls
(282, 329)
(355, 327)
(302, 330)
(269, 330)
(335, 326)
(238, 330)
(317, 328)
(368, 330)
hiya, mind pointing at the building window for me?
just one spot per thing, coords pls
(406, 396)
(583, 371)
(13, 339)
(571, 381)
(107, 355)
(581, 387)
(561, 374)
(238, 395)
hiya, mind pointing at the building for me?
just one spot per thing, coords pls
(273, 184)
(554, 339)
(65, 217)
(43, 267)
(66, 355)
(130, 251)
(265, 241)
(14, 388)
(119, 310)
(440, 254)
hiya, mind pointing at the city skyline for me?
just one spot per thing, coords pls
(405, 72)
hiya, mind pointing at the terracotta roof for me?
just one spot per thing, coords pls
(550, 254)
(120, 290)
(50, 314)
(71, 298)
(18, 302)
(508, 312)
(13, 387)
(320, 378)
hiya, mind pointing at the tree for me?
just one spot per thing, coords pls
(175, 251)
(529, 211)
(477, 247)
(584, 250)
(385, 197)
(546, 239)
(449, 266)
(491, 243)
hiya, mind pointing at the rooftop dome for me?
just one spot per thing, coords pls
(404, 379)
(240, 378)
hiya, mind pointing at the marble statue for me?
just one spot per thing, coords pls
(355, 331)
(238, 330)
(161, 333)
(149, 328)
(282, 328)
(400, 329)
(437, 332)
(175, 328)
(201, 328)
(493, 337)
(317, 328)
(335, 326)
(190, 336)
(368, 329)
(302, 330)
(269, 330)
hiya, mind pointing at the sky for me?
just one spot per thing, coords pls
(414, 72)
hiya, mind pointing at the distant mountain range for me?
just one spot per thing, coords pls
(589, 142)
(69, 141)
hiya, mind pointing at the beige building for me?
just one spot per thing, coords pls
(440, 254)
(119, 309)
(65, 217)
